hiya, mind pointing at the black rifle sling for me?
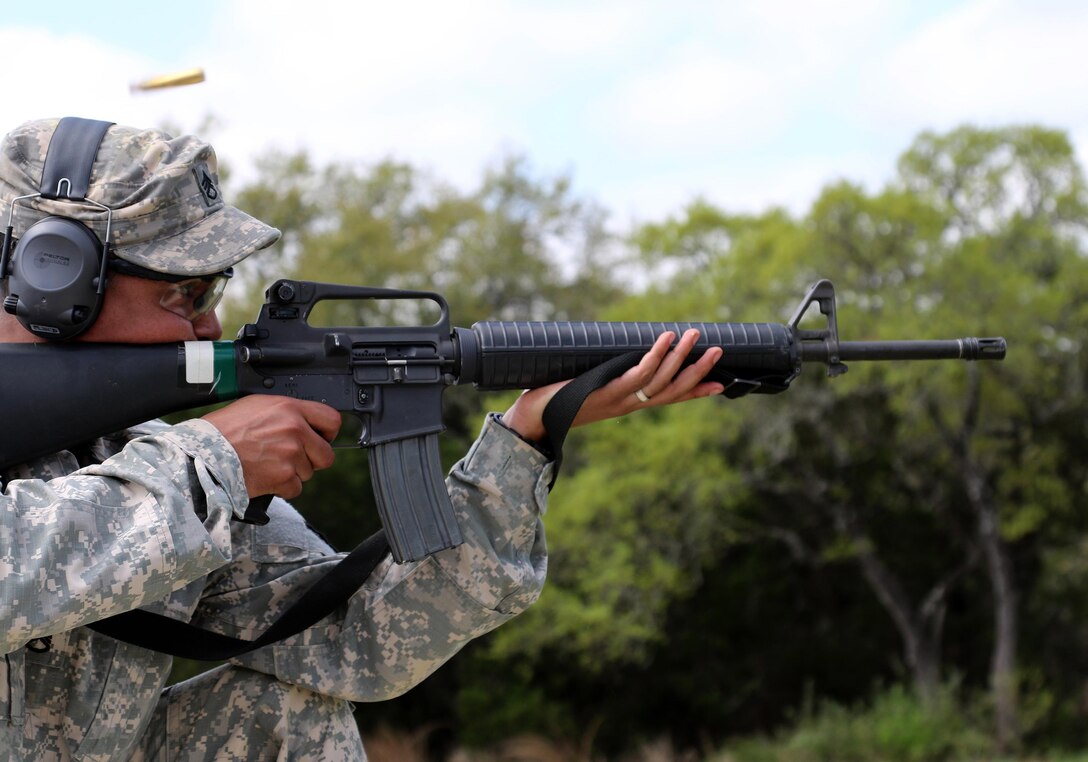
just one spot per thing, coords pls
(160, 633)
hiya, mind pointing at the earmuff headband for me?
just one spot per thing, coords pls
(68, 161)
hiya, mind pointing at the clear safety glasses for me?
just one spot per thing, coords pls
(187, 296)
(194, 297)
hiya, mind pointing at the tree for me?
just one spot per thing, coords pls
(981, 234)
(1013, 201)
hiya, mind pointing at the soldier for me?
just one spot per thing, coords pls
(148, 517)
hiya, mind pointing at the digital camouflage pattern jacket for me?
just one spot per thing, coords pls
(127, 531)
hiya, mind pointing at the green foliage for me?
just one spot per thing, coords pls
(630, 532)
(506, 698)
(894, 727)
(516, 247)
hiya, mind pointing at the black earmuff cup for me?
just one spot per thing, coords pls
(54, 281)
(53, 286)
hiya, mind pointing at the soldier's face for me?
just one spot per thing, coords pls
(133, 313)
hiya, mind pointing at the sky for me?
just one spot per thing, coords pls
(645, 104)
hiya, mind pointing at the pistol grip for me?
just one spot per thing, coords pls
(413, 503)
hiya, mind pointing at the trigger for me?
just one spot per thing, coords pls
(351, 433)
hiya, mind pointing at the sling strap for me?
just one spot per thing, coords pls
(161, 633)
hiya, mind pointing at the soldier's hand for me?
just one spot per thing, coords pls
(281, 441)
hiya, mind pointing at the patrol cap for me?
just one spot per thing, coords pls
(167, 210)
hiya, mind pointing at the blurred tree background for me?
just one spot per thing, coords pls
(908, 534)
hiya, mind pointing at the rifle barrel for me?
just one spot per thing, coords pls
(969, 348)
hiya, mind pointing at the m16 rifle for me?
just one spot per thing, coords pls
(391, 378)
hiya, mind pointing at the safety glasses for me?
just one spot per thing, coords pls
(186, 295)
(194, 297)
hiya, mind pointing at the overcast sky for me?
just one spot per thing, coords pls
(645, 103)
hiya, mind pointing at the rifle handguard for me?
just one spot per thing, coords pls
(525, 354)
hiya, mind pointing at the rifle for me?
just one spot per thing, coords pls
(392, 378)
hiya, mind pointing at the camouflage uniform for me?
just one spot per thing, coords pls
(147, 522)
(125, 533)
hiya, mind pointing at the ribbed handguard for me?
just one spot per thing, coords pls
(520, 354)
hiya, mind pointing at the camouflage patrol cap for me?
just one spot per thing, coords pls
(168, 212)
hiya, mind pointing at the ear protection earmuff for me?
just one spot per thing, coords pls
(56, 277)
